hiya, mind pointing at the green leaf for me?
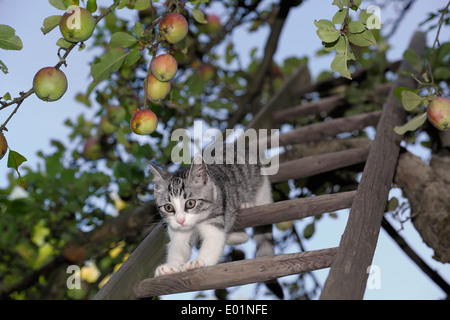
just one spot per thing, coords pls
(356, 27)
(138, 29)
(339, 64)
(50, 23)
(392, 204)
(339, 16)
(91, 6)
(142, 4)
(362, 39)
(324, 23)
(109, 62)
(308, 232)
(199, 16)
(412, 124)
(328, 34)
(410, 100)
(58, 4)
(15, 159)
(122, 39)
(8, 38)
(63, 43)
(7, 96)
(132, 57)
(3, 67)
(413, 58)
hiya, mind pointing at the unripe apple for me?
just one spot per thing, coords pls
(439, 113)
(157, 90)
(77, 24)
(207, 71)
(116, 114)
(285, 225)
(213, 23)
(144, 122)
(164, 67)
(173, 27)
(50, 84)
(3, 145)
(92, 149)
(106, 126)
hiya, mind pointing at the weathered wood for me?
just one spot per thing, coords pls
(348, 275)
(236, 273)
(312, 165)
(293, 209)
(323, 130)
(139, 265)
(313, 108)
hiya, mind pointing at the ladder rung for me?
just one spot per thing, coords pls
(236, 273)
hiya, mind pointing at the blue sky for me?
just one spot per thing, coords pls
(37, 122)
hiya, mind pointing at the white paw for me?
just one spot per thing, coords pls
(193, 264)
(166, 269)
(245, 205)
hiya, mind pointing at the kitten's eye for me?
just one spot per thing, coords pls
(190, 204)
(169, 208)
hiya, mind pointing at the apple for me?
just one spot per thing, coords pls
(156, 90)
(77, 24)
(173, 27)
(106, 126)
(50, 84)
(213, 23)
(207, 71)
(164, 67)
(92, 149)
(116, 114)
(144, 122)
(438, 112)
(3, 145)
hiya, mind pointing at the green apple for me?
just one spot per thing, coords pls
(173, 27)
(144, 122)
(3, 145)
(284, 226)
(50, 84)
(438, 112)
(116, 114)
(164, 67)
(106, 126)
(77, 24)
(92, 149)
(157, 90)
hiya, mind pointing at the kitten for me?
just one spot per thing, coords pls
(203, 201)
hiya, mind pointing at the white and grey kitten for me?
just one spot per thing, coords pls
(204, 200)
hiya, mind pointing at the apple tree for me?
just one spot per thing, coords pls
(168, 64)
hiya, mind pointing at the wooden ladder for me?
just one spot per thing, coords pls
(349, 262)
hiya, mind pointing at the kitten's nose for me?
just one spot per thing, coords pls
(180, 220)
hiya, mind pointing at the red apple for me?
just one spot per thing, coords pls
(164, 67)
(144, 122)
(50, 84)
(173, 27)
(92, 149)
(439, 113)
(77, 24)
(3, 145)
(213, 23)
(156, 90)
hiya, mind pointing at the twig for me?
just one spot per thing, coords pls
(436, 41)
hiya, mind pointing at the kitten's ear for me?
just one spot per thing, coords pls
(198, 171)
(159, 176)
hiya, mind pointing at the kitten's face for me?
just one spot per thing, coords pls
(185, 198)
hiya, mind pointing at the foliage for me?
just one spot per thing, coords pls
(72, 192)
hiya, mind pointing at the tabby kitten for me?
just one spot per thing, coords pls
(203, 201)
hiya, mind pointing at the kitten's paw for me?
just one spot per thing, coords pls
(166, 269)
(245, 205)
(193, 264)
